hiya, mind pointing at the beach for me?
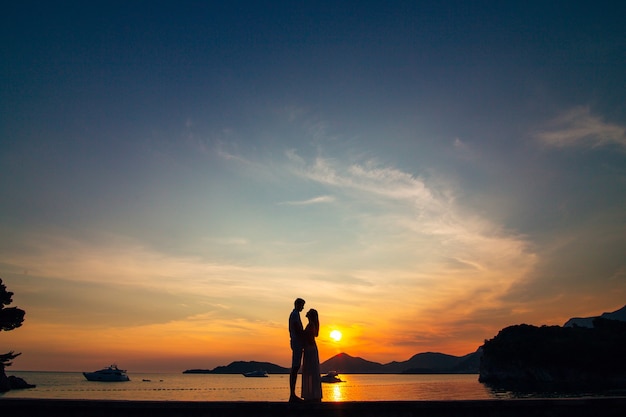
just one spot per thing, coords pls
(578, 407)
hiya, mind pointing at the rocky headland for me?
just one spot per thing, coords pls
(555, 357)
(12, 382)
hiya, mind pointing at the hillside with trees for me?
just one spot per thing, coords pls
(554, 356)
(10, 318)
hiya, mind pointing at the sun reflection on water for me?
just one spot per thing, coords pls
(334, 393)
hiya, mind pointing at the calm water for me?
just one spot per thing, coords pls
(207, 387)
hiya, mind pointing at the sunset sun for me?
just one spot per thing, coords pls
(335, 335)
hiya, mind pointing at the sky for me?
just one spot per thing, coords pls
(423, 173)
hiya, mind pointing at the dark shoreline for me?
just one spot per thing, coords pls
(565, 407)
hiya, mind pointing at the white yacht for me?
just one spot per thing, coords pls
(109, 374)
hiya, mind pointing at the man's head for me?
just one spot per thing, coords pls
(299, 304)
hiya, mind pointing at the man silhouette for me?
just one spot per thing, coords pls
(296, 334)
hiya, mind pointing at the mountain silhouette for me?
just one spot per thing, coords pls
(347, 364)
(588, 321)
(422, 363)
(432, 362)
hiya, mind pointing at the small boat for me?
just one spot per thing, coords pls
(256, 374)
(331, 377)
(109, 374)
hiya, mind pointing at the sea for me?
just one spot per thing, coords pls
(214, 387)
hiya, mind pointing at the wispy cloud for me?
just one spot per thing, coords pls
(315, 200)
(230, 156)
(436, 250)
(366, 177)
(464, 150)
(579, 127)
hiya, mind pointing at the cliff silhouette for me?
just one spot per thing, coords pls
(574, 357)
(588, 321)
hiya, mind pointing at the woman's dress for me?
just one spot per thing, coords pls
(311, 378)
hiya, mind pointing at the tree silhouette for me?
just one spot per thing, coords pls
(554, 357)
(10, 318)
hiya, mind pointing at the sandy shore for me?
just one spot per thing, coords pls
(592, 407)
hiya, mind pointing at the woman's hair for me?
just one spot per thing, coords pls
(314, 318)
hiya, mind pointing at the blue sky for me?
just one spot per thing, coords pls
(423, 173)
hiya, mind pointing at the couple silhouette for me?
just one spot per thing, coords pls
(304, 352)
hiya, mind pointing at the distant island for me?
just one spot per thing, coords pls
(241, 367)
(422, 363)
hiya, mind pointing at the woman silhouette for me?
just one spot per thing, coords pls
(311, 379)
